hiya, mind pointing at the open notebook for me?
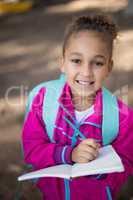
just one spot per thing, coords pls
(108, 161)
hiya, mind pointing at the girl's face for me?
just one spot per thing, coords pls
(86, 63)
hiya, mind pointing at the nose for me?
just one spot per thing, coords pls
(86, 70)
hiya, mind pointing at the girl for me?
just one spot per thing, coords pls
(86, 63)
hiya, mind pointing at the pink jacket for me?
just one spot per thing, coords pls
(41, 153)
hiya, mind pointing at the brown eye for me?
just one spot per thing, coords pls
(99, 63)
(76, 61)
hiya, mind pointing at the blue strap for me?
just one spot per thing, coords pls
(31, 96)
(110, 123)
(50, 111)
(51, 104)
(77, 131)
(61, 105)
(67, 189)
(74, 137)
(50, 108)
(91, 123)
(99, 176)
(108, 193)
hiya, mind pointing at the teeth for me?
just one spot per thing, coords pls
(84, 82)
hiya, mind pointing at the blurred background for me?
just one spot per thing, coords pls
(31, 36)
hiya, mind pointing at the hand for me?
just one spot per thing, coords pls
(86, 151)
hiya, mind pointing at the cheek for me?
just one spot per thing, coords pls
(101, 75)
(70, 75)
(71, 71)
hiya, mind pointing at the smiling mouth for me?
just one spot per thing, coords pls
(85, 83)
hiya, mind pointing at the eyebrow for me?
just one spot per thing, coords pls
(101, 56)
(79, 54)
(76, 53)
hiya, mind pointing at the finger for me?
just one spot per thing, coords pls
(92, 143)
(88, 156)
(91, 150)
(88, 159)
(82, 160)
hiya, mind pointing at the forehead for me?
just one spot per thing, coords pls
(88, 41)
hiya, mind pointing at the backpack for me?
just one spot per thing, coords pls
(110, 121)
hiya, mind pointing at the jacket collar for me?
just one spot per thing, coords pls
(65, 99)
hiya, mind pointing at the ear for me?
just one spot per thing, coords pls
(62, 64)
(111, 64)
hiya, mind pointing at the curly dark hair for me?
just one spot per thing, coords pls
(100, 23)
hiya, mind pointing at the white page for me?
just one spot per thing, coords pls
(108, 161)
(62, 171)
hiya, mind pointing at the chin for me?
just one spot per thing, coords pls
(84, 93)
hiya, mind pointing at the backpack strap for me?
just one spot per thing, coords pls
(51, 104)
(110, 121)
(31, 96)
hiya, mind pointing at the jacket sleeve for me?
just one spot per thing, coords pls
(124, 147)
(38, 150)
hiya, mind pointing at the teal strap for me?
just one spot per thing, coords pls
(51, 104)
(67, 189)
(61, 105)
(31, 96)
(50, 108)
(76, 132)
(108, 193)
(98, 176)
(74, 138)
(75, 128)
(91, 123)
(110, 123)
